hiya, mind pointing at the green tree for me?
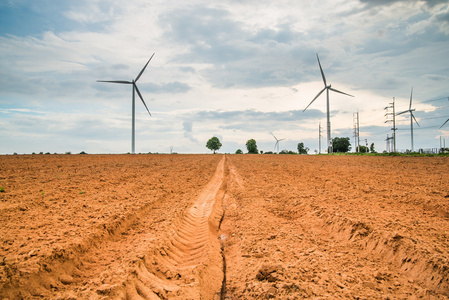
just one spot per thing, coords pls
(362, 149)
(252, 146)
(287, 152)
(341, 144)
(239, 151)
(213, 144)
(371, 148)
(301, 149)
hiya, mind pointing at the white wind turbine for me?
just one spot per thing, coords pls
(135, 89)
(277, 142)
(327, 88)
(412, 117)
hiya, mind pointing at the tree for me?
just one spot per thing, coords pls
(239, 151)
(371, 148)
(362, 149)
(252, 146)
(301, 149)
(287, 152)
(341, 144)
(213, 144)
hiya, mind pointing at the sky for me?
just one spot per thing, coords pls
(233, 69)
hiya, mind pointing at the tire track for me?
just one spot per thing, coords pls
(188, 264)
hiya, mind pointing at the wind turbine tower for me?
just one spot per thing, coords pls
(277, 142)
(326, 88)
(135, 89)
(412, 117)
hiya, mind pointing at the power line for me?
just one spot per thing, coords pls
(355, 117)
(433, 118)
(428, 127)
(433, 100)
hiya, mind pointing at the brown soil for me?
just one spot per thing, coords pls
(223, 227)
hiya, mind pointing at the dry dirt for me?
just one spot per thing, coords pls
(223, 227)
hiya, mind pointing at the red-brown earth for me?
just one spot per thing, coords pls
(223, 227)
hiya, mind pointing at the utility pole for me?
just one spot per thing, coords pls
(319, 138)
(394, 126)
(391, 117)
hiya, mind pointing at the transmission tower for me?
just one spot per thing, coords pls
(387, 146)
(319, 138)
(356, 131)
(391, 117)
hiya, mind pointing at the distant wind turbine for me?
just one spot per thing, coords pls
(327, 88)
(277, 142)
(135, 89)
(412, 117)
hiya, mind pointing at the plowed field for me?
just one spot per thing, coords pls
(223, 227)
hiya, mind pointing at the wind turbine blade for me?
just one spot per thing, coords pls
(321, 69)
(402, 112)
(281, 140)
(337, 91)
(116, 81)
(444, 124)
(274, 136)
(141, 72)
(314, 99)
(410, 107)
(141, 98)
(414, 118)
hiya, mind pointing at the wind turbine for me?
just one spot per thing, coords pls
(277, 142)
(135, 89)
(327, 88)
(412, 117)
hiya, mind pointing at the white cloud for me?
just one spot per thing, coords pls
(246, 73)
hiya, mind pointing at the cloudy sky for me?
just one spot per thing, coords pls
(237, 69)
